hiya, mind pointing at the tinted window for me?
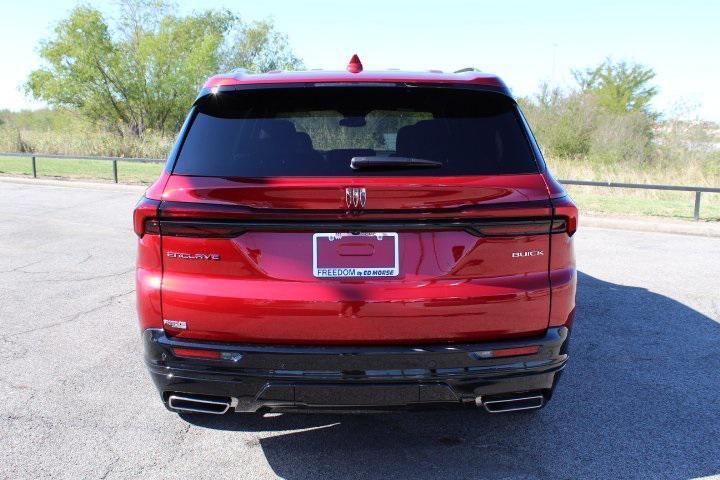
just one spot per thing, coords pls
(316, 132)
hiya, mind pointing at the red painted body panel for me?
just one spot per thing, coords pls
(155, 190)
(386, 194)
(555, 189)
(563, 274)
(148, 279)
(453, 285)
(563, 280)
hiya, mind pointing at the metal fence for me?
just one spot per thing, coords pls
(644, 186)
(647, 186)
(34, 156)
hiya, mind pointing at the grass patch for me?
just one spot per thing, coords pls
(627, 201)
(128, 172)
(618, 201)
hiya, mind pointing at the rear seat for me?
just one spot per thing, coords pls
(427, 139)
(278, 138)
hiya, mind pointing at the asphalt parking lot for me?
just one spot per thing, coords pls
(640, 399)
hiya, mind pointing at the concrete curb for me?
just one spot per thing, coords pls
(74, 183)
(640, 224)
(652, 224)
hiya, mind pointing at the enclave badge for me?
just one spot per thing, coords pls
(194, 256)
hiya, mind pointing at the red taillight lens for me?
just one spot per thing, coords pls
(513, 352)
(200, 229)
(566, 210)
(515, 228)
(197, 353)
(144, 220)
(507, 352)
(207, 354)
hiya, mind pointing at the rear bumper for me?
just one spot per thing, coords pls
(266, 377)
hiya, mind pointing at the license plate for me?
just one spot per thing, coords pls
(337, 255)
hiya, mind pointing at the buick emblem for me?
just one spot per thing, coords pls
(355, 197)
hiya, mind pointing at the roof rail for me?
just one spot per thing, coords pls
(467, 69)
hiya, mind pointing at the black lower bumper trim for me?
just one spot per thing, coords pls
(258, 377)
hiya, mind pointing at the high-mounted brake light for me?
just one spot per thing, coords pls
(144, 217)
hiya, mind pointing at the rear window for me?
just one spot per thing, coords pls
(317, 131)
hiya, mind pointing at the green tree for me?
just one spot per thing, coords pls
(619, 86)
(143, 72)
(258, 47)
(575, 124)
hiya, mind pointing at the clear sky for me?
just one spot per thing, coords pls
(525, 42)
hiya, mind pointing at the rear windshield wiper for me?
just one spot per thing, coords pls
(382, 161)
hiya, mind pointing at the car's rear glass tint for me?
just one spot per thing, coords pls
(317, 131)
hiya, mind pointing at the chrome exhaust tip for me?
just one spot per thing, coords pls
(190, 403)
(513, 404)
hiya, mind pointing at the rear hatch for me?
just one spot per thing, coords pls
(356, 215)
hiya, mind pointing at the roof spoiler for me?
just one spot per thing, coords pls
(207, 92)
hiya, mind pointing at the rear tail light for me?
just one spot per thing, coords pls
(505, 228)
(219, 229)
(514, 228)
(565, 209)
(200, 230)
(144, 217)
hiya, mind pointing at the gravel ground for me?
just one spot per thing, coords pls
(639, 399)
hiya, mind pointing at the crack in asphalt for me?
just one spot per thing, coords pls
(16, 354)
(83, 279)
(20, 267)
(16, 386)
(110, 467)
(72, 318)
(86, 259)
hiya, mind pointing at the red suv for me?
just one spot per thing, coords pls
(355, 240)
